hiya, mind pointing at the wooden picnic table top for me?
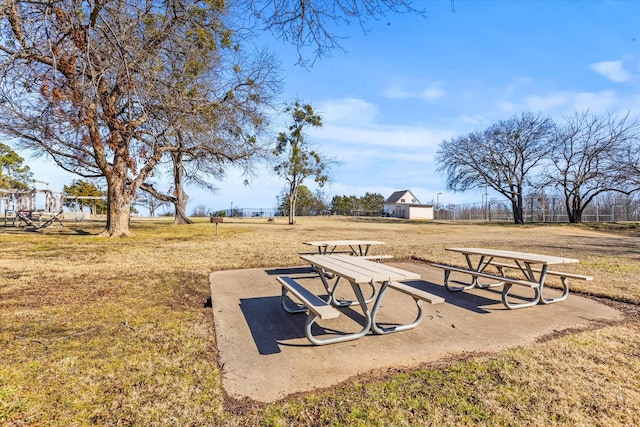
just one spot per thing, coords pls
(359, 270)
(520, 256)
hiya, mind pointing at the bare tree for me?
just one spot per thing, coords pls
(216, 110)
(148, 201)
(593, 154)
(503, 157)
(630, 164)
(80, 79)
(313, 23)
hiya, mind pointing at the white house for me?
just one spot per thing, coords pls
(403, 204)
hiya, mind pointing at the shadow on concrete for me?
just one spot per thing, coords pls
(474, 299)
(469, 302)
(271, 327)
(291, 271)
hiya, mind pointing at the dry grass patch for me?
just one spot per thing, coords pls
(117, 332)
(579, 379)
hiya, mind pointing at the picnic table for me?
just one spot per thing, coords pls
(355, 247)
(357, 271)
(533, 267)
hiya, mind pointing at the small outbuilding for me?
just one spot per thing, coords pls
(404, 204)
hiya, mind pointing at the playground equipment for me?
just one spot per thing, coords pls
(20, 207)
(39, 208)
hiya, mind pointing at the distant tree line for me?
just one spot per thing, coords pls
(371, 204)
(583, 156)
(306, 203)
(310, 204)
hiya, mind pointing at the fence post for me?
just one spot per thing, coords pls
(216, 220)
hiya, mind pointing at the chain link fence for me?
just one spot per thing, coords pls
(540, 209)
(248, 213)
(536, 209)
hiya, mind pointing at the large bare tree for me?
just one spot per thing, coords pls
(80, 77)
(503, 157)
(216, 119)
(593, 155)
(80, 82)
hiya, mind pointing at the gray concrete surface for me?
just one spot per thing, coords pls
(265, 356)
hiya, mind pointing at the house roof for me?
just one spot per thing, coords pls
(395, 197)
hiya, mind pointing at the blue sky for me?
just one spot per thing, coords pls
(405, 83)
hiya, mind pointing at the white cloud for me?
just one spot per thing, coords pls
(599, 102)
(395, 92)
(387, 136)
(613, 70)
(475, 119)
(433, 91)
(562, 103)
(545, 103)
(508, 107)
(350, 110)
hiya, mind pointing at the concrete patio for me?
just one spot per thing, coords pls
(265, 356)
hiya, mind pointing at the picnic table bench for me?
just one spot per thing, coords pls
(357, 271)
(534, 268)
(564, 277)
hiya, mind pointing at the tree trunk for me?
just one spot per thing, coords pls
(518, 217)
(578, 213)
(292, 209)
(181, 207)
(575, 215)
(118, 209)
(574, 212)
(181, 198)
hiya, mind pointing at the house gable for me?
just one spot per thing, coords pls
(402, 196)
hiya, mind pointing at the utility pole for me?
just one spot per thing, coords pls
(543, 206)
(485, 204)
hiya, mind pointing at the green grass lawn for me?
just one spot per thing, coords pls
(118, 331)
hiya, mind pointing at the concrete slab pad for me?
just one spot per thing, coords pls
(265, 356)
